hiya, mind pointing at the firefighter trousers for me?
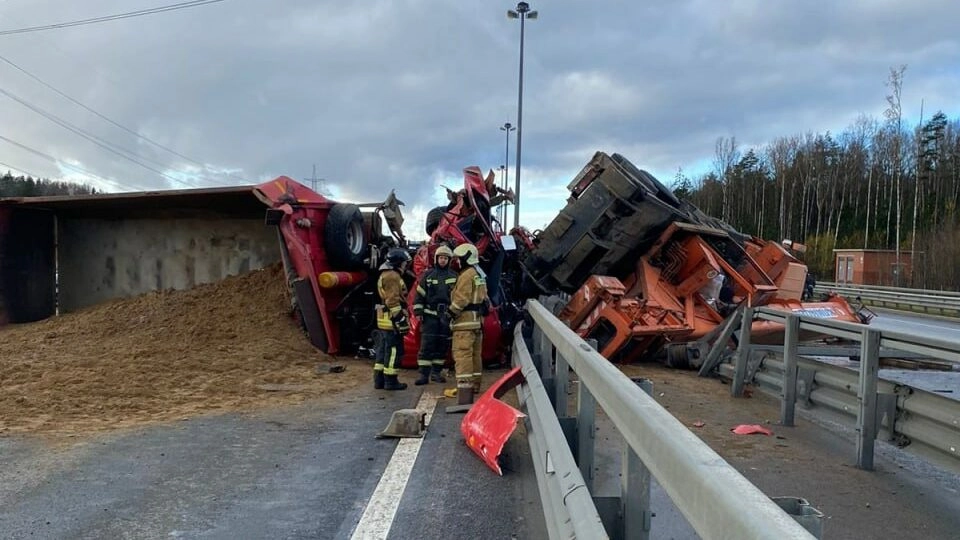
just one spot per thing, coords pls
(466, 357)
(434, 342)
(389, 351)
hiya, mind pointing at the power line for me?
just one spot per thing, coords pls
(99, 115)
(24, 171)
(110, 147)
(76, 168)
(114, 17)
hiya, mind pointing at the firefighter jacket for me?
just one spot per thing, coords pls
(393, 294)
(433, 292)
(469, 302)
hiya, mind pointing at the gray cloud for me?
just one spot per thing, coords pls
(399, 94)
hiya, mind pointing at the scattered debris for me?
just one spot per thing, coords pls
(405, 423)
(325, 367)
(699, 423)
(750, 429)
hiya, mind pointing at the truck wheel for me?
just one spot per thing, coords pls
(433, 219)
(662, 192)
(343, 237)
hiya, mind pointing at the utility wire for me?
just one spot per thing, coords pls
(76, 168)
(76, 129)
(112, 148)
(24, 171)
(114, 17)
(115, 123)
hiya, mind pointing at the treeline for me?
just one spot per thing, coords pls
(27, 186)
(879, 184)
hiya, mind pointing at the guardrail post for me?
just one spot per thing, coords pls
(867, 396)
(537, 353)
(635, 489)
(586, 429)
(560, 385)
(743, 354)
(788, 405)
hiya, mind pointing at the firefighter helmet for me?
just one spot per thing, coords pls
(397, 256)
(467, 253)
(444, 251)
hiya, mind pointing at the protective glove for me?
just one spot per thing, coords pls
(400, 322)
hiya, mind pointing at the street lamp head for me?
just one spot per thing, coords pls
(511, 14)
(532, 15)
(507, 127)
(523, 7)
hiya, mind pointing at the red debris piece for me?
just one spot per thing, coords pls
(750, 429)
(490, 422)
(699, 423)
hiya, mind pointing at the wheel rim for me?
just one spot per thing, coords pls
(355, 238)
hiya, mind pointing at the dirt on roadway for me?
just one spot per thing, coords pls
(161, 356)
(809, 461)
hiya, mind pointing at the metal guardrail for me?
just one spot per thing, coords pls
(569, 510)
(922, 422)
(695, 477)
(945, 302)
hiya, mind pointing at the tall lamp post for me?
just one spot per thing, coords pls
(507, 127)
(502, 211)
(523, 13)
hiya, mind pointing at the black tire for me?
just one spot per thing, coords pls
(433, 219)
(343, 237)
(662, 192)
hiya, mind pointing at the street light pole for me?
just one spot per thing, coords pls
(523, 13)
(507, 127)
(502, 211)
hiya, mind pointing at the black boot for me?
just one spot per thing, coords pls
(391, 383)
(378, 380)
(437, 374)
(424, 376)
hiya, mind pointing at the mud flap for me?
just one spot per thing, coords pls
(490, 422)
(312, 320)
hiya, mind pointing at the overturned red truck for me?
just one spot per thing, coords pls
(642, 269)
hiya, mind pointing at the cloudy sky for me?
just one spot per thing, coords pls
(405, 93)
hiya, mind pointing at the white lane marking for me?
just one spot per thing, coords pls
(382, 507)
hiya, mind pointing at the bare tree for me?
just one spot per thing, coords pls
(894, 114)
(780, 155)
(725, 157)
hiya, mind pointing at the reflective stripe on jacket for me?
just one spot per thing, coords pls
(434, 291)
(392, 291)
(468, 297)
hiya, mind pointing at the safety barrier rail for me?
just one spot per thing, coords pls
(696, 478)
(944, 302)
(922, 422)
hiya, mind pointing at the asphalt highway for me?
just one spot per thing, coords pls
(307, 471)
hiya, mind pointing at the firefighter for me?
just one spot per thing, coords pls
(468, 305)
(430, 306)
(392, 321)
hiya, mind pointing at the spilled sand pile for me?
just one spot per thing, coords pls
(162, 356)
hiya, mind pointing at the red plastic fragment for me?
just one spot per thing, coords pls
(750, 429)
(490, 422)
